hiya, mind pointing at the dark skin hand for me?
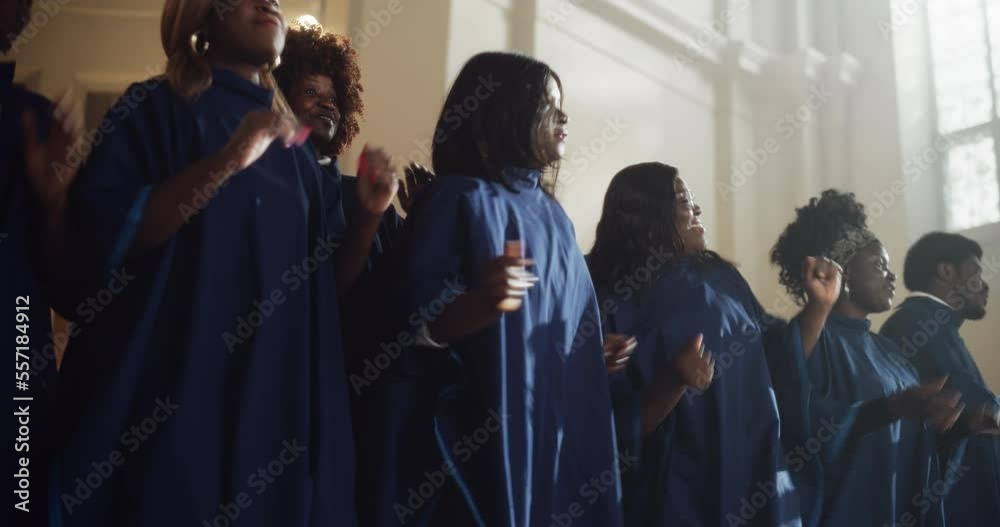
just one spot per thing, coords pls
(51, 172)
(505, 284)
(929, 403)
(693, 367)
(985, 420)
(618, 350)
(416, 178)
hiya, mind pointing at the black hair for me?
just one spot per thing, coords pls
(22, 15)
(932, 249)
(817, 227)
(492, 117)
(638, 216)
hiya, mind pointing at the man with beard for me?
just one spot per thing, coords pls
(945, 273)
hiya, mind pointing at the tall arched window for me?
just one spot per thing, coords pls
(965, 50)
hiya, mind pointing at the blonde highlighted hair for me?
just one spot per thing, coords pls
(189, 74)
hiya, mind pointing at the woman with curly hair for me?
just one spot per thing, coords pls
(708, 452)
(846, 395)
(321, 77)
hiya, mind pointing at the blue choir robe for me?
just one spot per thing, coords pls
(518, 416)
(854, 464)
(717, 459)
(927, 333)
(207, 382)
(368, 329)
(390, 226)
(22, 285)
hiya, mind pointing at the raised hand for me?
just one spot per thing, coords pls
(377, 181)
(254, 136)
(416, 178)
(822, 279)
(52, 165)
(618, 350)
(506, 282)
(694, 366)
(929, 403)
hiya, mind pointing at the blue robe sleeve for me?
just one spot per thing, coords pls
(807, 408)
(110, 194)
(437, 232)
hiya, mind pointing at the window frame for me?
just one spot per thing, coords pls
(965, 135)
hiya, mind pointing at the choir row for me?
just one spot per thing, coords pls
(258, 339)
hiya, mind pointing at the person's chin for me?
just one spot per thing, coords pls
(321, 131)
(698, 243)
(975, 312)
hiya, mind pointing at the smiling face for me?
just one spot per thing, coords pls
(871, 282)
(552, 132)
(253, 32)
(314, 100)
(686, 219)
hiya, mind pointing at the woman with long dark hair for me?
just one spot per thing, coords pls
(707, 443)
(521, 421)
(875, 461)
(207, 382)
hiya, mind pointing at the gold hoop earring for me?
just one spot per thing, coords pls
(199, 44)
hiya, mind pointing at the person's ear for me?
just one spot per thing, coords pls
(946, 271)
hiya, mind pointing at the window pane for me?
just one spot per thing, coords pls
(961, 71)
(956, 29)
(972, 191)
(993, 20)
(963, 94)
